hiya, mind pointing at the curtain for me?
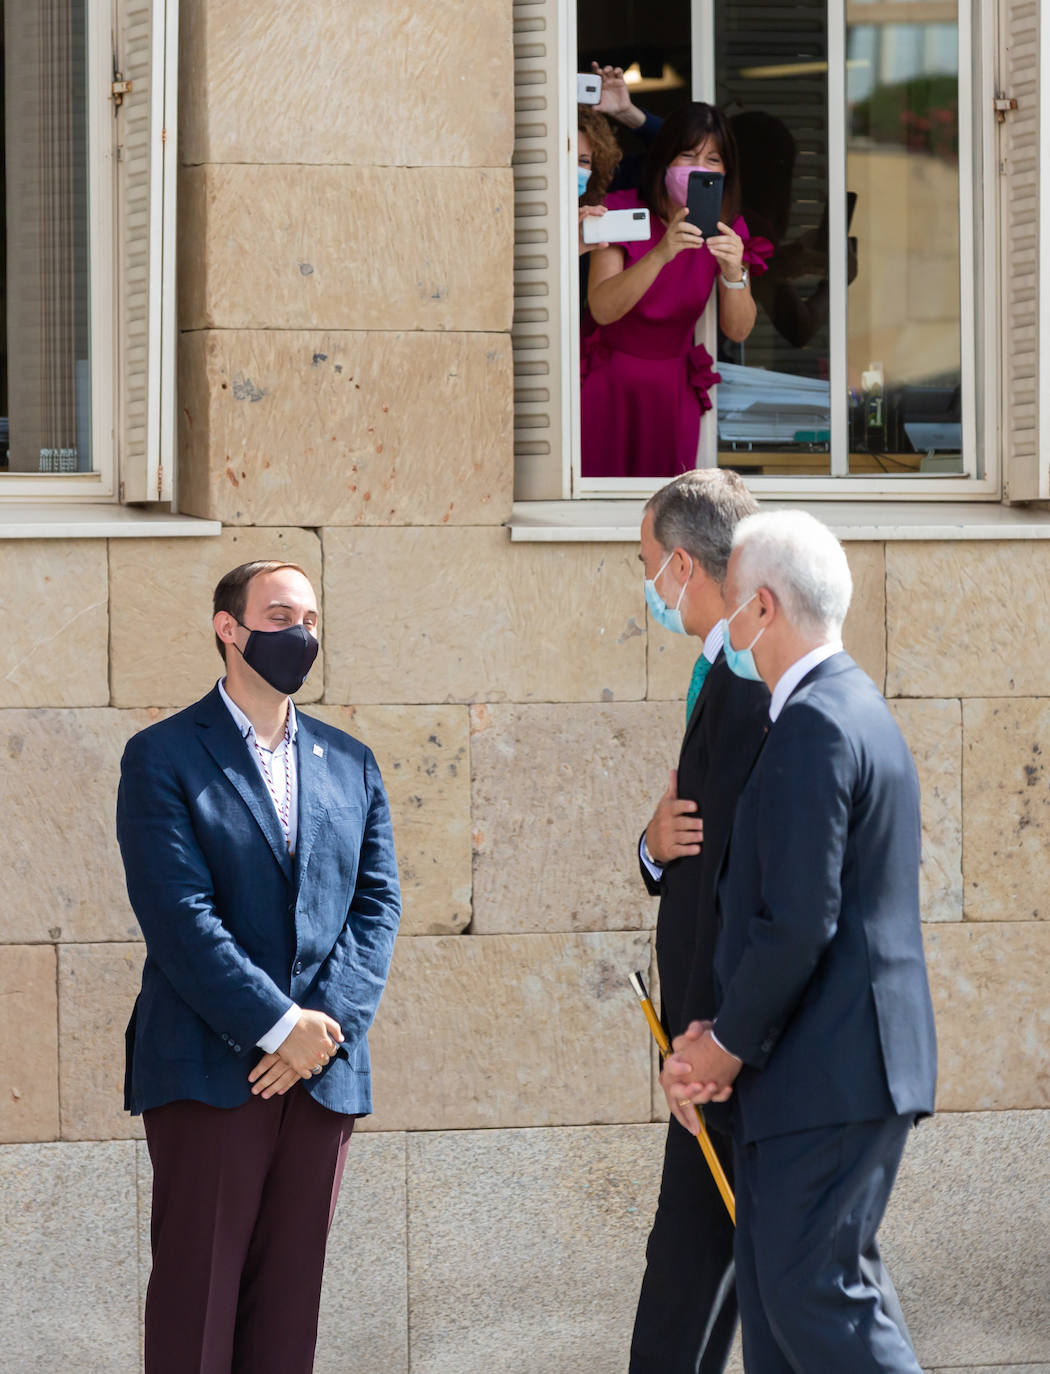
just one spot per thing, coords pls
(45, 148)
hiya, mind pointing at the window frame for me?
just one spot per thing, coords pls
(981, 318)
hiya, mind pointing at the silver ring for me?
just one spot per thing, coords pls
(316, 1068)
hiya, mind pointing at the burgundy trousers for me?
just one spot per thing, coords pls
(242, 1202)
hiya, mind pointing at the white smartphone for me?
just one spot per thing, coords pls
(617, 226)
(588, 88)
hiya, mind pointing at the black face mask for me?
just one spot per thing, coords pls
(283, 658)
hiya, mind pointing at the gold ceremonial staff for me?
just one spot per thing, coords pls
(703, 1139)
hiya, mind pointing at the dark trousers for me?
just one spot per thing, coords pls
(815, 1296)
(687, 1309)
(242, 1202)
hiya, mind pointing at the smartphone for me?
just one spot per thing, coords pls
(588, 88)
(704, 201)
(617, 226)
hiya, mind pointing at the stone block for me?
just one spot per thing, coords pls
(292, 428)
(864, 633)
(64, 879)
(541, 1237)
(54, 651)
(67, 1254)
(965, 1239)
(28, 1043)
(433, 615)
(162, 647)
(560, 796)
(963, 616)
(383, 248)
(395, 84)
(364, 1301)
(1006, 809)
(494, 1031)
(671, 657)
(933, 730)
(97, 987)
(989, 986)
(423, 753)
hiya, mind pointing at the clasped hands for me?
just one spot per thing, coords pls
(306, 1049)
(698, 1071)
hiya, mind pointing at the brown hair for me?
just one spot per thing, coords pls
(231, 593)
(605, 153)
(682, 131)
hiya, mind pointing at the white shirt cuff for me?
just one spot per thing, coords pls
(277, 1035)
(654, 869)
(722, 1047)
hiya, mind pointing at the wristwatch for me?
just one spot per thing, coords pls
(735, 285)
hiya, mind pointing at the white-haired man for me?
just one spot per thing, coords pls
(824, 1031)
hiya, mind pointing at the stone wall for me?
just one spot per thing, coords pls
(345, 397)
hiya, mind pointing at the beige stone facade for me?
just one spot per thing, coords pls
(345, 402)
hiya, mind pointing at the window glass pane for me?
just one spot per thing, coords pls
(45, 405)
(902, 164)
(771, 74)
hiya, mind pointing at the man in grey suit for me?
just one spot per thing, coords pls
(824, 1030)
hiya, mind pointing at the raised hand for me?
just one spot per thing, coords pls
(680, 234)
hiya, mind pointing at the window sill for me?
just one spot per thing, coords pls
(54, 520)
(584, 522)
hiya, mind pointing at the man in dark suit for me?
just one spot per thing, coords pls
(824, 1026)
(260, 865)
(683, 1327)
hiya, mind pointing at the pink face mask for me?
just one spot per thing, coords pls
(676, 182)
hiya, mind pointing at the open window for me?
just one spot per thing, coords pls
(867, 143)
(87, 267)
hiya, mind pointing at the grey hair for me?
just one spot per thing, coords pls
(698, 512)
(802, 564)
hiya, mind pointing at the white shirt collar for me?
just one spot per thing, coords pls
(790, 679)
(242, 722)
(713, 642)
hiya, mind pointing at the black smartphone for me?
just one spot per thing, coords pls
(704, 201)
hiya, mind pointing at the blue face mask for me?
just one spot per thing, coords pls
(741, 661)
(583, 176)
(670, 619)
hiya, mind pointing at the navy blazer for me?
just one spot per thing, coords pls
(235, 929)
(819, 963)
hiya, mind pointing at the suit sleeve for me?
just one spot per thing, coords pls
(350, 982)
(653, 886)
(170, 887)
(805, 789)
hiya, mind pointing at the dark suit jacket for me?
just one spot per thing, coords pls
(821, 976)
(235, 929)
(721, 740)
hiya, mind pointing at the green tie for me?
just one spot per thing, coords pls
(700, 671)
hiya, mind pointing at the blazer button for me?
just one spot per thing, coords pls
(298, 966)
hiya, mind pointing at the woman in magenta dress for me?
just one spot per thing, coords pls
(645, 383)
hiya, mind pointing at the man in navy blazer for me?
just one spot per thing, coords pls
(824, 1030)
(260, 865)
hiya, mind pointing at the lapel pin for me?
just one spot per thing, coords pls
(318, 751)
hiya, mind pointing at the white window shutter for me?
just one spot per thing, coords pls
(1025, 468)
(146, 56)
(541, 299)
